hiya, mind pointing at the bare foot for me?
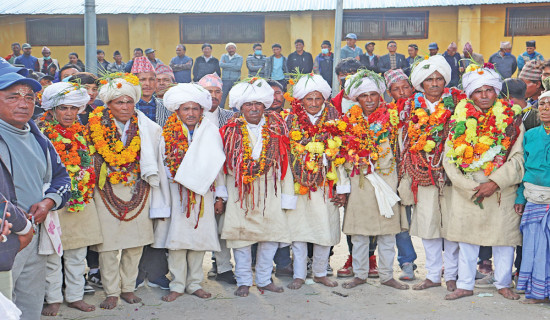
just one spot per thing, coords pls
(353, 283)
(326, 281)
(51, 310)
(242, 291)
(130, 297)
(296, 284)
(451, 285)
(459, 293)
(535, 301)
(173, 295)
(109, 303)
(202, 294)
(427, 283)
(82, 306)
(272, 287)
(508, 294)
(396, 284)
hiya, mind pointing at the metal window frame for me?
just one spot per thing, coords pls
(511, 11)
(223, 20)
(69, 25)
(383, 14)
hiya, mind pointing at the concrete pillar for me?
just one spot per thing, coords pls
(301, 27)
(469, 27)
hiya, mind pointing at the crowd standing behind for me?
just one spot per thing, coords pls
(161, 170)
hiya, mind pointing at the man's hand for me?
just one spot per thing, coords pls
(40, 210)
(485, 190)
(6, 227)
(25, 239)
(340, 200)
(218, 206)
(519, 208)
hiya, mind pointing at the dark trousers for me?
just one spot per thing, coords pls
(153, 263)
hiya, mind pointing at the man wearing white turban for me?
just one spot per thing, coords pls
(423, 185)
(258, 182)
(485, 173)
(78, 220)
(132, 186)
(368, 179)
(194, 159)
(316, 219)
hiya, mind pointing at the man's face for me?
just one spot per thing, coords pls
(278, 99)
(412, 52)
(17, 105)
(67, 73)
(544, 110)
(299, 46)
(122, 108)
(138, 53)
(325, 46)
(277, 51)
(163, 83)
(401, 90)
(545, 73)
(313, 102)
(369, 101)
(484, 97)
(16, 49)
(216, 94)
(433, 52)
(46, 53)
(45, 83)
(451, 51)
(392, 47)
(190, 114)
(66, 115)
(73, 59)
(101, 56)
(530, 50)
(118, 58)
(148, 82)
(93, 91)
(151, 56)
(533, 88)
(207, 51)
(508, 50)
(370, 47)
(27, 51)
(179, 51)
(231, 50)
(256, 48)
(467, 54)
(351, 42)
(434, 85)
(253, 111)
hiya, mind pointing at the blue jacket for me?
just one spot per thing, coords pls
(231, 68)
(384, 63)
(524, 57)
(453, 62)
(269, 67)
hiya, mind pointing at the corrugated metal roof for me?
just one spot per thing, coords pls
(224, 6)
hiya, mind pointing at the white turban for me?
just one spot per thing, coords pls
(244, 92)
(187, 92)
(545, 94)
(64, 93)
(427, 67)
(308, 84)
(355, 87)
(476, 79)
(111, 91)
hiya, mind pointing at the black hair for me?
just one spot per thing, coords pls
(274, 83)
(69, 66)
(206, 45)
(348, 65)
(255, 45)
(514, 88)
(16, 43)
(116, 53)
(138, 49)
(74, 54)
(391, 41)
(85, 78)
(276, 45)
(327, 43)
(182, 46)
(299, 41)
(414, 46)
(100, 51)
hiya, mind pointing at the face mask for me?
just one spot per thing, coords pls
(47, 58)
(258, 52)
(507, 53)
(324, 51)
(66, 79)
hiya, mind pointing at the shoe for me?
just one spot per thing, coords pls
(480, 275)
(227, 276)
(373, 267)
(407, 271)
(213, 271)
(485, 267)
(284, 272)
(140, 283)
(330, 272)
(95, 279)
(347, 269)
(161, 282)
(309, 268)
(487, 282)
(88, 289)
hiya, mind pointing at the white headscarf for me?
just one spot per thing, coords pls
(476, 79)
(187, 92)
(308, 84)
(245, 92)
(367, 85)
(427, 67)
(111, 91)
(545, 94)
(54, 95)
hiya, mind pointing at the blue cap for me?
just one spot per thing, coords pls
(432, 46)
(6, 67)
(351, 36)
(9, 79)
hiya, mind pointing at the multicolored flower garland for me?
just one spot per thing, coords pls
(479, 141)
(73, 150)
(250, 168)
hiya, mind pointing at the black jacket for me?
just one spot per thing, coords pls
(303, 62)
(365, 61)
(202, 68)
(401, 63)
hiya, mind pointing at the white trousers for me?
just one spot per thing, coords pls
(319, 264)
(223, 257)
(264, 264)
(435, 259)
(467, 265)
(75, 268)
(386, 256)
(119, 275)
(186, 269)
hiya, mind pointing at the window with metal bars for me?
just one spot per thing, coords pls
(63, 31)
(387, 25)
(222, 29)
(527, 21)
